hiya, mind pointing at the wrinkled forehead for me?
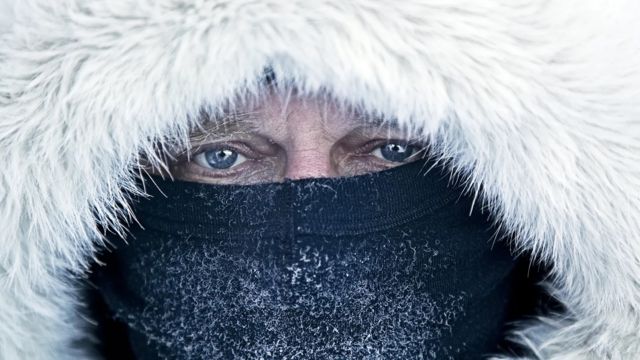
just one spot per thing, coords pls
(276, 108)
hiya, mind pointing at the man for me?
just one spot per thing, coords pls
(281, 236)
(288, 137)
(299, 265)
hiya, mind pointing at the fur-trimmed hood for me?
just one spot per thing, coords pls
(536, 104)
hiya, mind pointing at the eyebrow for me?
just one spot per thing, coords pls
(224, 124)
(377, 122)
(234, 122)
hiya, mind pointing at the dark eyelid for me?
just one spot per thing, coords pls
(370, 146)
(251, 141)
(231, 145)
(367, 136)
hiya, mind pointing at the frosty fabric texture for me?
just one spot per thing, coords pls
(380, 266)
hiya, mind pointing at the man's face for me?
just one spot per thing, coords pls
(291, 138)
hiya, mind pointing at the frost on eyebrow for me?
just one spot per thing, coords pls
(224, 124)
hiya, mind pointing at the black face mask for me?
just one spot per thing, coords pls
(380, 266)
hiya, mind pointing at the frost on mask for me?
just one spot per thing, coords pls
(380, 266)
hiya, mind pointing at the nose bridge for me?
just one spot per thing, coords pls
(309, 150)
(313, 162)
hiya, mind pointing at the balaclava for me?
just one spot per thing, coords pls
(391, 265)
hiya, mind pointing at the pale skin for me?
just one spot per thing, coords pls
(289, 137)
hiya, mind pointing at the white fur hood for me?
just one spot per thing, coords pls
(536, 103)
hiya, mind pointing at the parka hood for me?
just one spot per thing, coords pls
(534, 104)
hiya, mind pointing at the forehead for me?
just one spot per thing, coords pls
(306, 113)
(279, 113)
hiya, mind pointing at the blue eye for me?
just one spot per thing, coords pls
(219, 158)
(394, 152)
